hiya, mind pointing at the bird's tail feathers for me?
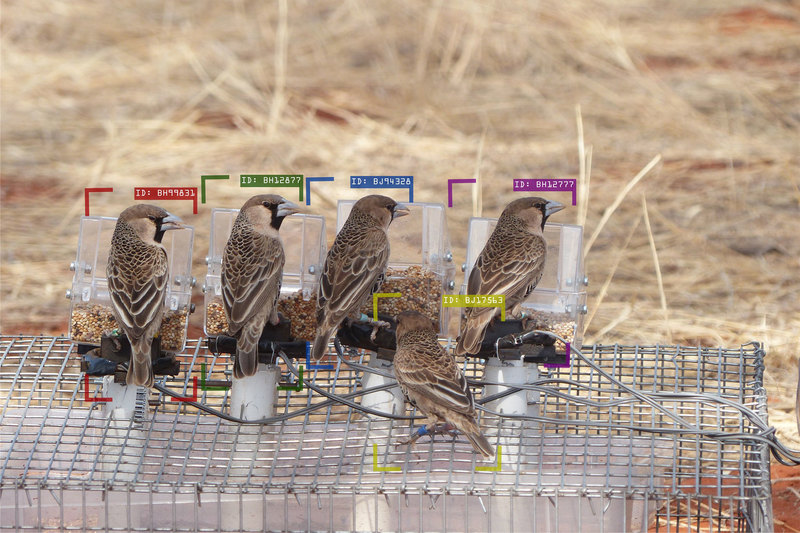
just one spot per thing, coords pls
(469, 342)
(247, 350)
(140, 368)
(468, 426)
(320, 344)
(480, 444)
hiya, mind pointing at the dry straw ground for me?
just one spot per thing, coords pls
(704, 248)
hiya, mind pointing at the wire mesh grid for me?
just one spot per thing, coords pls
(589, 455)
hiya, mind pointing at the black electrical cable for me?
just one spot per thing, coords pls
(766, 435)
(271, 420)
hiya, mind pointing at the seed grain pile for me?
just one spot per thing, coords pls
(421, 291)
(89, 322)
(301, 312)
(559, 323)
(216, 322)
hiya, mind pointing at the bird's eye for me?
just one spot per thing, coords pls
(152, 217)
(267, 205)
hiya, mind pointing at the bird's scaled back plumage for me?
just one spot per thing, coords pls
(510, 264)
(432, 381)
(137, 274)
(354, 265)
(252, 268)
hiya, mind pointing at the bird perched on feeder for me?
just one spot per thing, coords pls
(511, 264)
(137, 274)
(252, 268)
(355, 264)
(432, 381)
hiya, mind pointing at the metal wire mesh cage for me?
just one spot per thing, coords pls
(626, 438)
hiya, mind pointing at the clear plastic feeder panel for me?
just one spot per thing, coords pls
(559, 301)
(90, 302)
(303, 237)
(421, 264)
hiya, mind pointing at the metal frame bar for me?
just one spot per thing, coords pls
(582, 451)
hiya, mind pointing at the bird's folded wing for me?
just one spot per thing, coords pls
(252, 281)
(447, 389)
(509, 275)
(350, 272)
(138, 298)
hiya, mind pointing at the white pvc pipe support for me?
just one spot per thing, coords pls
(519, 403)
(387, 401)
(123, 399)
(123, 441)
(253, 397)
(512, 373)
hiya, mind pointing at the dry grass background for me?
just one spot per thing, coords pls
(138, 93)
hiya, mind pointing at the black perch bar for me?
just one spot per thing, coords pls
(511, 344)
(115, 350)
(533, 348)
(274, 339)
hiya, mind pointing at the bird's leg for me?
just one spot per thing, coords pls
(376, 325)
(356, 317)
(450, 429)
(431, 429)
(113, 335)
(423, 430)
(517, 313)
(444, 429)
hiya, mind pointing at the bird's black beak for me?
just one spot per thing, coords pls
(400, 211)
(171, 222)
(287, 208)
(552, 207)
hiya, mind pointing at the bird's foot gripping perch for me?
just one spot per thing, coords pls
(113, 336)
(367, 321)
(432, 430)
(376, 326)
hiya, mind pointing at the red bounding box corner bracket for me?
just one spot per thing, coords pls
(86, 396)
(192, 398)
(88, 190)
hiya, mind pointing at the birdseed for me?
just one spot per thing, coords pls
(90, 322)
(216, 321)
(173, 330)
(301, 312)
(559, 323)
(421, 291)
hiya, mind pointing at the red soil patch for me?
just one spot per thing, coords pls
(753, 18)
(786, 497)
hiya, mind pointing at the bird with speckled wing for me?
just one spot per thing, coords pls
(511, 264)
(252, 269)
(432, 381)
(355, 265)
(137, 273)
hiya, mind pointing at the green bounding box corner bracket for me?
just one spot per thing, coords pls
(203, 385)
(296, 388)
